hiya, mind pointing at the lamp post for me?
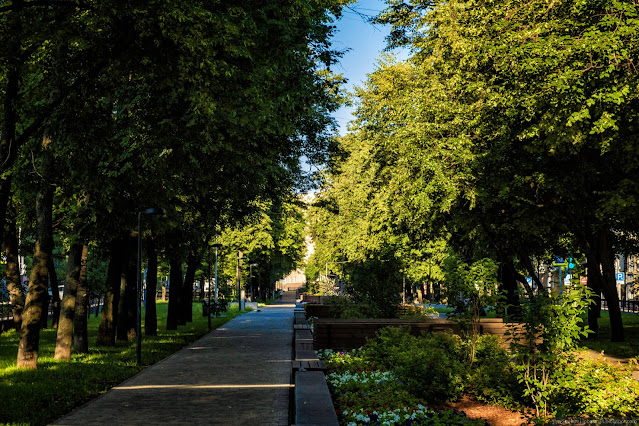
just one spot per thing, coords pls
(251, 278)
(428, 254)
(209, 279)
(138, 330)
(240, 256)
(217, 246)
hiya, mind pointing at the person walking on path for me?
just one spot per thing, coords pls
(238, 374)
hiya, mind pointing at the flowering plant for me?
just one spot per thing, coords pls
(364, 394)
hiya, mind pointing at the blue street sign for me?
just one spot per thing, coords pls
(559, 261)
(620, 276)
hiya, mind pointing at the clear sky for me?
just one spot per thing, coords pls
(365, 43)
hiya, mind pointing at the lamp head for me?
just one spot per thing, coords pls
(153, 211)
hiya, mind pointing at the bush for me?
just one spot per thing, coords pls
(494, 377)
(593, 388)
(344, 307)
(430, 367)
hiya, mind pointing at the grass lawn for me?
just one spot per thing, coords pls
(628, 349)
(37, 397)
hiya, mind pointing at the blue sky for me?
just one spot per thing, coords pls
(366, 43)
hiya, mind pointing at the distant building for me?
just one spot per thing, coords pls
(292, 281)
(297, 278)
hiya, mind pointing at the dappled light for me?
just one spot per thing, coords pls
(195, 387)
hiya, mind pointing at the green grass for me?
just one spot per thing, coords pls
(628, 349)
(37, 397)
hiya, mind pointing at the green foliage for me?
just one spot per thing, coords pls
(346, 307)
(364, 394)
(375, 284)
(494, 376)
(552, 326)
(431, 366)
(593, 387)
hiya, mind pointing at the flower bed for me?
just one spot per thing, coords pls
(392, 379)
(365, 394)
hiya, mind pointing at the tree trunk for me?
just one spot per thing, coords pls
(594, 283)
(132, 292)
(609, 288)
(14, 283)
(150, 314)
(81, 335)
(55, 293)
(187, 288)
(175, 288)
(128, 292)
(67, 312)
(35, 306)
(508, 281)
(106, 332)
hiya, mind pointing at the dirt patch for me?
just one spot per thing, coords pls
(494, 415)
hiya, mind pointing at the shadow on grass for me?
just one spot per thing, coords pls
(627, 349)
(38, 397)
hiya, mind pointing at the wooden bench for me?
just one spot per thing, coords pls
(313, 403)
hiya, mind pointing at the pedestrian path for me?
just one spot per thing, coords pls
(239, 374)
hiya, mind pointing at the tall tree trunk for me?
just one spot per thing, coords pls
(55, 293)
(187, 288)
(609, 287)
(37, 294)
(595, 284)
(81, 335)
(14, 283)
(508, 281)
(108, 320)
(175, 288)
(128, 292)
(150, 314)
(132, 293)
(67, 312)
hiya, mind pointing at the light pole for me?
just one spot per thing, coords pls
(138, 331)
(209, 278)
(251, 278)
(428, 254)
(240, 256)
(217, 246)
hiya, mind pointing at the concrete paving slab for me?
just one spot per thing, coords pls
(239, 374)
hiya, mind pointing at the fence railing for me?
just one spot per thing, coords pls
(624, 305)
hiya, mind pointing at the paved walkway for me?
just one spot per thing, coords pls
(239, 374)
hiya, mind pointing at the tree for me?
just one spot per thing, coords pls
(551, 102)
(69, 302)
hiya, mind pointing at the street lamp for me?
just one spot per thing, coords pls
(138, 331)
(251, 278)
(217, 246)
(240, 256)
(428, 254)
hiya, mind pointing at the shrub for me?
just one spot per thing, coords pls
(345, 307)
(345, 361)
(593, 388)
(494, 377)
(430, 366)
